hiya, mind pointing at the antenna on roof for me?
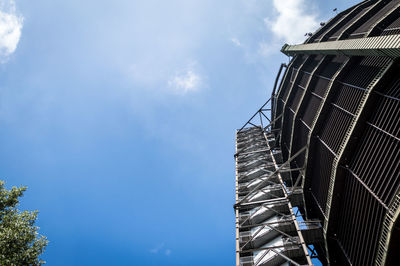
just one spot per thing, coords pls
(322, 24)
(335, 10)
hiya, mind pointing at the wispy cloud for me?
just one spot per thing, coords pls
(157, 249)
(160, 249)
(10, 28)
(236, 42)
(294, 19)
(185, 81)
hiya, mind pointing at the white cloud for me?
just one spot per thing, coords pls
(10, 28)
(295, 18)
(236, 42)
(185, 81)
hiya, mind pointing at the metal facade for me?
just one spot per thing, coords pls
(318, 165)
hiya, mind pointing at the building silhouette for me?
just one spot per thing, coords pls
(318, 165)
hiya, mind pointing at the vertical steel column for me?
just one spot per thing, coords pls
(303, 244)
(236, 210)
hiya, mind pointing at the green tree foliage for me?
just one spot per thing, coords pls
(20, 244)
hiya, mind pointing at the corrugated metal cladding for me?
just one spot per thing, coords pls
(340, 110)
(346, 110)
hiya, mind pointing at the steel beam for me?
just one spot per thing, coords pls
(388, 46)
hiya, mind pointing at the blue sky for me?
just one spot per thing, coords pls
(120, 118)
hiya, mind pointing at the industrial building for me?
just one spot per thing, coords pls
(318, 165)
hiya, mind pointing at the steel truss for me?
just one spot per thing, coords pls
(269, 227)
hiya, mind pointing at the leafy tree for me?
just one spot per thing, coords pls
(20, 244)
